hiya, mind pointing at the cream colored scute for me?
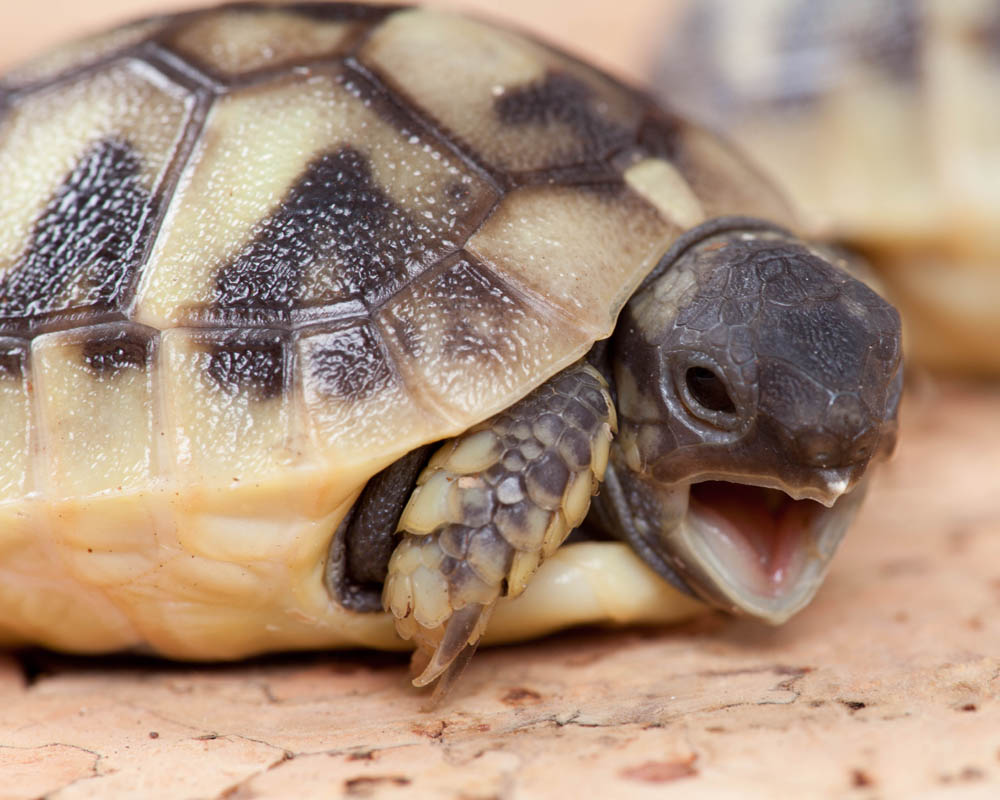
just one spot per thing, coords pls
(257, 143)
(80, 53)
(46, 134)
(96, 428)
(232, 42)
(583, 250)
(455, 69)
(15, 422)
(361, 414)
(470, 346)
(218, 434)
(660, 184)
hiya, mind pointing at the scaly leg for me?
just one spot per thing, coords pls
(488, 508)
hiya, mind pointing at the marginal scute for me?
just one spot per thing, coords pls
(469, 343)
(359, 409)
(80, 54)
(718, 177)
(96, 425)
(223, 423)
(15, 411)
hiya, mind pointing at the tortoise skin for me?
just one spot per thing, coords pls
(250, 256)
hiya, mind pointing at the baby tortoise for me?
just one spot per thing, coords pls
(881, 120)
(317, 310)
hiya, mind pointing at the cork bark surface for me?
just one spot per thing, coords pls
(887, 686)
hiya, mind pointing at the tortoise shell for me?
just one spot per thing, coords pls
(252, 255)
(881, 121)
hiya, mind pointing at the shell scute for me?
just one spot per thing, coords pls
(520, 107)
(78, 212)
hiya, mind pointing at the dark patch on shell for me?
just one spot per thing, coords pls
(562, 99)
(661, 135)
(88, 235)
(251, 361)
(336, 224)
(110, 352)
(13, 358)
(350, 363)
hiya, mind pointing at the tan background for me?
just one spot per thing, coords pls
(888, 686)
(618, 34)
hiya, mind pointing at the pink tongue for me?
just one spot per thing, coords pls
(769, 521)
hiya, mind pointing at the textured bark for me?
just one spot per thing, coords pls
(887, 686)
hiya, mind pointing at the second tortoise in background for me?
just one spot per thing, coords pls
(882, 121)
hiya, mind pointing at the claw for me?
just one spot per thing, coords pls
(449, 656)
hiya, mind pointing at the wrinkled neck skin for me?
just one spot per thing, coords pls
(756, 383)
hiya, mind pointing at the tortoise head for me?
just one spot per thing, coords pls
(756, 383)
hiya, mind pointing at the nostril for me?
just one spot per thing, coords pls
(708, 390)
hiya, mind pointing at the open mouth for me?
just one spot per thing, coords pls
(757, 550)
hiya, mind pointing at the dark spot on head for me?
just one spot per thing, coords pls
(349, 362)
(362, 755)
(562, 99)
(251, 361)
(336, 226)
(154, 735)
(853, 705)
(86, 245)
(109, 353)
(968, 707)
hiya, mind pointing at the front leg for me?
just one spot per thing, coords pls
(489, 507)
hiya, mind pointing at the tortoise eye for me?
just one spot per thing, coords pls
(708, 390)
